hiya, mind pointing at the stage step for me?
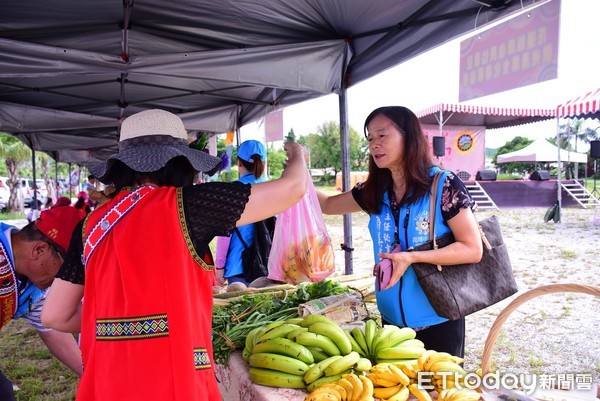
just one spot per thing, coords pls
(580, 193)
(481, 198)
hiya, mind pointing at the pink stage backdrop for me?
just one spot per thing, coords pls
(516, 53)
(464, 147)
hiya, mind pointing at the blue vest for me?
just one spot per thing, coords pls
(405, 304)
(28, 294)
(233, 263)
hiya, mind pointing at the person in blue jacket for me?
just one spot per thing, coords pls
(396, 196)
(252, 156)
(29, 260)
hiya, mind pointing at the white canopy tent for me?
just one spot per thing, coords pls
(541, 151)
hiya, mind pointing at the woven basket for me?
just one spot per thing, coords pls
(518, 301)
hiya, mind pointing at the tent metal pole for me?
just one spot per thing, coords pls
(558, 169)
(345, 145)
(35, 199)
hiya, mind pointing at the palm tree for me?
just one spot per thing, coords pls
(575, 129)
(14, 153)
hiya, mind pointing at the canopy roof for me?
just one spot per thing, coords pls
(587, 105)
(541, 151)
(71, 71)
(489, 117)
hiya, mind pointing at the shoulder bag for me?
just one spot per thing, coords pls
(458, 290)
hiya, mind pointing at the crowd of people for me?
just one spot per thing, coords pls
(138, 256)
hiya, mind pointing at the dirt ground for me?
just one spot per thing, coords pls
(550, 334)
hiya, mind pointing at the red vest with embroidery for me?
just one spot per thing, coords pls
(147, 310)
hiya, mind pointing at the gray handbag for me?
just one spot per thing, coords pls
(458, 290)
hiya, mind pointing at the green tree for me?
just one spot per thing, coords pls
(14, 153)
(325, 150)
(516, 143)
(275, 161)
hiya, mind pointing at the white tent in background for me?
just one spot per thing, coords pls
(541, 151)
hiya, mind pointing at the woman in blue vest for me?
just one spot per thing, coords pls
(252, 156)
(396, 196)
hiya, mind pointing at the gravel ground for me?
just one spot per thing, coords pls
(548, 335)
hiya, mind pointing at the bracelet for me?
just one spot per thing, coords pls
(219, 268)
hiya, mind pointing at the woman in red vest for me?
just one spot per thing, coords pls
(145, 319)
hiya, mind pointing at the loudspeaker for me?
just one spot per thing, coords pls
(540, 175)
(439, 146)
(595, 149)
(485, 175)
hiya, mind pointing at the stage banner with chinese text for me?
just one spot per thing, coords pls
(464, 147)
(519, 52)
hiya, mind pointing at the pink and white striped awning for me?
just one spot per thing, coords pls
(587, 105)
(487, 116)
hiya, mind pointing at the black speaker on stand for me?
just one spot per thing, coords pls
(486, 175)
(540, 175)
(595, 154)
(439, 146)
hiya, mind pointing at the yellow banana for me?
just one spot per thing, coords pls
(370, 330)
(423, 357)
(445, 394)
(380, 381)
(386, 392)
(347, 386)
(399, 374)
(277, 332)
(338, 392)
(383, 371)
(278, 362)
(274, 378)
(401, 395)
(464, 394)
(364, 364)
(367, 390)
(359, 336)
(419, 393)
(408, 370)
(357, 385)
(344, 363)
(283, 346)
(447, 366)
(320, 396)
(317, 370)
(319, 341)
(314, 318)
(436, 357)
(335, 333)
(400, 352)
(321, 381)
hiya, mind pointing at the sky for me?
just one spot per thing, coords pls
(432, 78)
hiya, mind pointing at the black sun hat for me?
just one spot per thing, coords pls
(149, 139)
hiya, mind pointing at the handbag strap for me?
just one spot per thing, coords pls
(432, 203)
(241, 239)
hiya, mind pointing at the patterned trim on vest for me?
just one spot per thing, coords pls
(112, 217)
(201, 359)
(9, 296)
(186, 234)
(133, 328)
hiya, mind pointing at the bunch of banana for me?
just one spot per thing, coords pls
(350, 387)
(274, 359)
(387, 344)
(389, 381)
(446, 369)
(455, 394)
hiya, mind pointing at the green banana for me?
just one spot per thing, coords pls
(411, 343)
(335, 333)
(283, 346)
(294, 320)
(318, 369)
(276, 332)
(249, 342)
(323, 380)
(344, 363)
(355, 346)
(278, 362)
(246, 354)
(359, 336)
(383, 332)
(370, 330)
(395, 338)
(319, 341)
(274, 378)
(292, 334)
(274, 324)
(314, 318)
(408, 352)
(317, 353)
(364, 364)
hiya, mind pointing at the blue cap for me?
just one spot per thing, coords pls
(251, 147)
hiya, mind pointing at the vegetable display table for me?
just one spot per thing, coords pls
(235, 384)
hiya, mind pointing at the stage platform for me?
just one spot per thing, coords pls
(526, 193)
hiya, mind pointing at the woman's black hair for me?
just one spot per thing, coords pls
(257, 168)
